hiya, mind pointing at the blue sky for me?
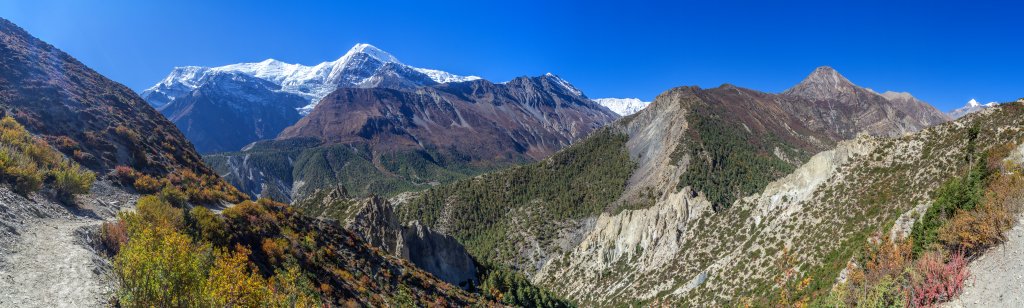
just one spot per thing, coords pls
(943, 52)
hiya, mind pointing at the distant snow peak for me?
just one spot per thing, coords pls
(373, 52)
(974, 103)
(623, 106)
(352, 69)
(972, 106)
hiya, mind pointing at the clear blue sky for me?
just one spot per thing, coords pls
(943, 52)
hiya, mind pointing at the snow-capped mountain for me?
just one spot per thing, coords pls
(261, 99)
(972, 106)
(444, 129)
(623, 106)
(357, 68)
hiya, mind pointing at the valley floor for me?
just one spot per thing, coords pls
(997, 278)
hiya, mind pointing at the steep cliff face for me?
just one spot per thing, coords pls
(624, 248)
(373, 219)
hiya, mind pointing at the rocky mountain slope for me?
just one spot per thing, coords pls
(261, 99)
(384, 141)
(97, 122)
(706, 172)
(850, 109)
(231, 110)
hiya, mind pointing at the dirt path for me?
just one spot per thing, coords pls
(53, 267)
(45, 258)
(997, 278)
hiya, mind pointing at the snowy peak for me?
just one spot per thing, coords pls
(564, 84)
(371, 51)
(359, 67)
(973, 103)
(824, 83)
(623, 106)
(972, 106)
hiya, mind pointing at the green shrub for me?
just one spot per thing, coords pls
(159, 267)
(174, 196)
(208, 225)
(146, 184)
(151, 211)
(70, 180)
(957, 194)
(27, 162)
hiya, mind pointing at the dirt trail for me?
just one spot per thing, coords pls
(53, 267)
(45, 256)
(997, 278)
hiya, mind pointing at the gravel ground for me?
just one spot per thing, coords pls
(52, 267)
(997, 278)
(45, 258)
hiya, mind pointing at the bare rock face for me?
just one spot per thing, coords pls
(437, 253)
(825, 83)
(374, 220)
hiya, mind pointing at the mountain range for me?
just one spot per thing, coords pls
(261, 99)
(84, 250)
(376, 183)
(663, 192)
(387, 140)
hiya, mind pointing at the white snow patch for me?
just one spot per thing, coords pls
(623, 106)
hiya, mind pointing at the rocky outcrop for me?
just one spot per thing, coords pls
(374, 220)
(437, 253)
(679, 252)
